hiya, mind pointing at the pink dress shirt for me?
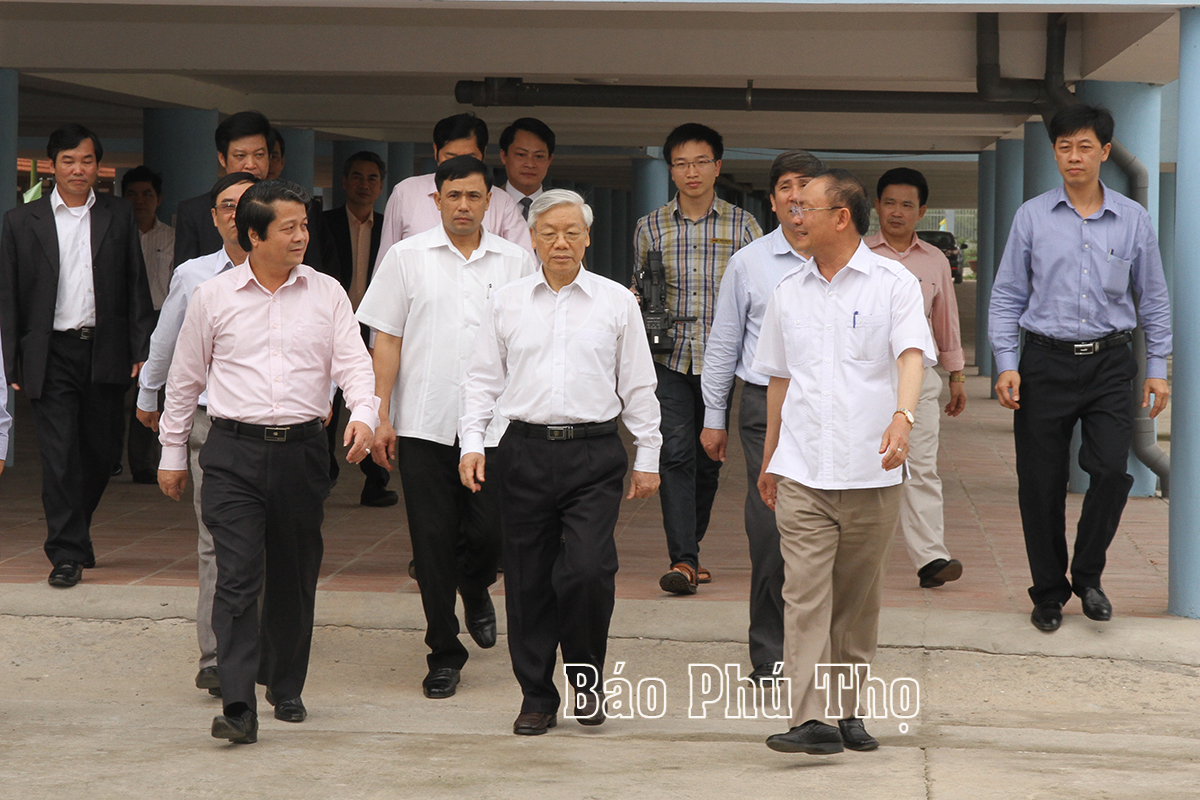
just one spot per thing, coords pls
(937, 289)
(411, 210)
(267, 359)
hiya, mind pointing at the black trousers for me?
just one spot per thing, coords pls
(559, 510)
(143, 448)
(78, 426)
(1057, 390)
(376, 476)
(455, 538)
(263, 503)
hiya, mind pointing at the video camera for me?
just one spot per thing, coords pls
(659, 321)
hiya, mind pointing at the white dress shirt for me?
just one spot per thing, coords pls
(427, 293)
(75, 304)
(749, 281)
(573, 356)
(158, 251)
(838, 342)
(411, 210)
(517, 195)
(188, 276)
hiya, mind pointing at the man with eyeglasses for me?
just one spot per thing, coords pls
(752, 275)
(224, 198)
(697, 233)
(526, 150)
(900, 197)
(425, 303)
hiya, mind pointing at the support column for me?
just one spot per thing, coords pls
(8, 190)
(400, 157)
(601, 239)
(1041, 170)
(1166, 226)
(651, 182)
(985, 259)
(177, 143)
(1183, 596)
(300, 164)
(342, 150)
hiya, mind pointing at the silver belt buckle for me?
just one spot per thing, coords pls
(559, 433)
(1086, 349)
(275, 434)
(87, 333)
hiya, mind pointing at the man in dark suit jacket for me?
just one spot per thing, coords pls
(348, 227)
(244, 143)
(76, 316)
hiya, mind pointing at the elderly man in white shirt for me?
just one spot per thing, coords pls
(425, 302)
(845, 343)
(561, 354)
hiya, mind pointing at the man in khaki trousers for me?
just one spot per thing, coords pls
(845, 342)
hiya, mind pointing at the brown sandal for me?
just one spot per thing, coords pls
(680, 580)
(703, 575)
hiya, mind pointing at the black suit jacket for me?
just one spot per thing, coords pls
(195, 236)
(29, 267)
(338, 226)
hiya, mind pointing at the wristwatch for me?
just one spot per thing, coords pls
(960, 378)
(908, 415)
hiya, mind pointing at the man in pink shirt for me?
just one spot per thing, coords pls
(267, 338)
(900, 198)
(411, 208)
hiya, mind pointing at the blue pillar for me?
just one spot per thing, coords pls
(651, 183)
(1041, 170)
(1183, 597)
(1166, 226)
(400, 156)
(985, 258)
(342, 150)
(8, 187)
(619, 234)
(301, 158)
(178, 144)
(601, 238)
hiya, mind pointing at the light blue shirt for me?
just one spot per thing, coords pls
(187, 277)
(1074, 279)
(749, 281)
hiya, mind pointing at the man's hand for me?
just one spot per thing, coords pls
(713, 440)
(136, 369)
(644, 484)
(149, 419)
(172, 482)
(767, 489)
(958, 398)
(1, 466)
(470, 471)
(894, 446)
(358, 438)
(328, 417)
(1157, 387)
(383, 451)
(1008, 389)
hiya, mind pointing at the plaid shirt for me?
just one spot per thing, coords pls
(694, 256)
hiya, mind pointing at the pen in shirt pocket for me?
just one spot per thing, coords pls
(488, 296)
(854, 320)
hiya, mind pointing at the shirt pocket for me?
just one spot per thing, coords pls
(312, 337)
(594, 352)
(1114, 277)
(867, 337)
(801, 342)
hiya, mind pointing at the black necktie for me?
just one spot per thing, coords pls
(525, 204)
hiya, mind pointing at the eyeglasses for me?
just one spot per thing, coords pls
(700, 163)
(572, 236)
(799, 211)
(228, 207)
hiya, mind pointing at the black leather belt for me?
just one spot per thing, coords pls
(1080, 348)
(563, 433)
(79, 333)
(267, 433)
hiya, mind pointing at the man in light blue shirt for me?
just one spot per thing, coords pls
(188, 275)
(750, 279)
(1075, 260)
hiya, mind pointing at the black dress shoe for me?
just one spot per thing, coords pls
(855, 736)
(291, 710)
(1047, 616)
(117, 470)
(66, 574)
(938, 572)
(1096, 605)
(589, 708)
(378, 497)
(412, 569)
(209, 678)
(762, 673)
(242, 729)
(534, 723)
(814, 738)
(481, 620)
(89, 562)
(441, 683)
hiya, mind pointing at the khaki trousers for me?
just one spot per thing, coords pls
(835, 545)
(921, 519)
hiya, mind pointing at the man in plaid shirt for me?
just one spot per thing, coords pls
(696, 232)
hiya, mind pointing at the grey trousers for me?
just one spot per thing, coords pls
(766, 561)
(204, 547)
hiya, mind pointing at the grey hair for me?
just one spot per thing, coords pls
(552, 198)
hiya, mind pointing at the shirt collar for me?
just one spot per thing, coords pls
(716, 209)
(861, 261)
(354, 221)
(57, 202)
(245, 276)
(518, 195)
(876, 239)
(780, 246)
(582, 280)
(488, 242)
(1060, 197)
